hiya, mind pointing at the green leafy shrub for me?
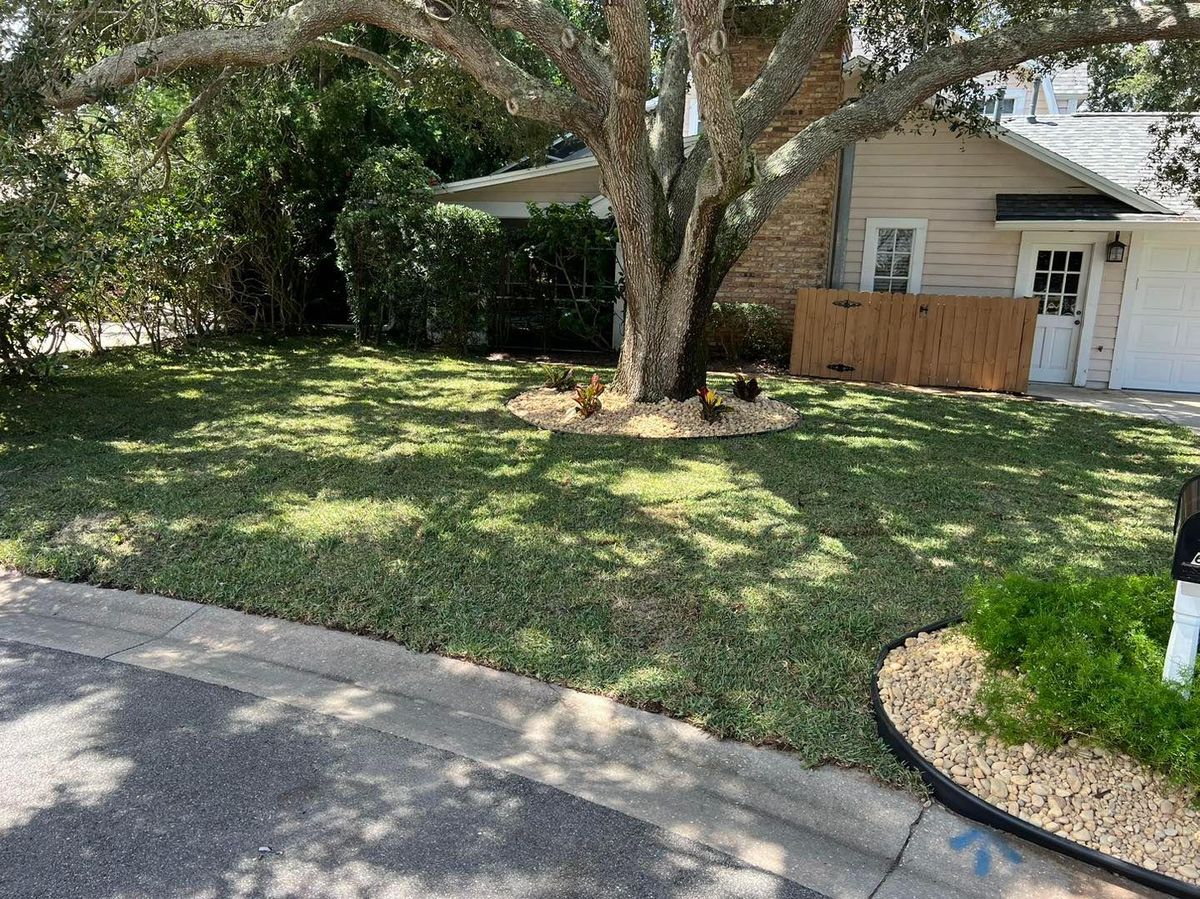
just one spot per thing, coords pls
(1089, 654)
(746, 389)
(416, 271)
(748, 332)
(560, 377)
(562, 278)
(462, 256)
(712, 406)
(587, 397)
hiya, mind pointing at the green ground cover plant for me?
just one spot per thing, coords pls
(743, 584)
(1089, 654)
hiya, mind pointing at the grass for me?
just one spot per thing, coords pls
(744, 584)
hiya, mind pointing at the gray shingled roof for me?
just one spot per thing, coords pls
(1114, 145)
(1060, 208)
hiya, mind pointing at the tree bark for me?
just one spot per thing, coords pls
(663, 352)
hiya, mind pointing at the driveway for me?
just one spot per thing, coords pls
(1177, 408)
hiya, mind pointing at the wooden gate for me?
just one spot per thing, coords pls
(981, 342)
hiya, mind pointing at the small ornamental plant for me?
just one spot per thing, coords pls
(746, 389)
(587, 397)
(711, 404)
(560, 377)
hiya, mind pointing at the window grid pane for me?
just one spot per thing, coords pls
(1056, 281)
(893, 259)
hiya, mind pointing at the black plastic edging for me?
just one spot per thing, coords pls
(959, 799)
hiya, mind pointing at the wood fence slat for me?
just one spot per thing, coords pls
(1028, 326)
(816, 316)
(995, 322)
(803, 331)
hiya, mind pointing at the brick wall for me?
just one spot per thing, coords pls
(792, 248)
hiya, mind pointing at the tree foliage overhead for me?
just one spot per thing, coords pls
(588, 68)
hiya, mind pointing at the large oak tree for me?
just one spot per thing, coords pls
(684, 217)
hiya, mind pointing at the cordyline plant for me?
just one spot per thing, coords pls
(684, 217)
(587, 397)
(712, 406)
(746, 389)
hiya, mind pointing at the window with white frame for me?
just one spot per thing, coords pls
(893, 255)
(1008, 107)
(1011, 103)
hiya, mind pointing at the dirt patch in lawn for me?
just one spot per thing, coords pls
(1102, 799)
(665, 420)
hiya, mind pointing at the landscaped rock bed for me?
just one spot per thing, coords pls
(555, 410)
(1101, 799)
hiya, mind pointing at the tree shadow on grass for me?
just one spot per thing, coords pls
(744, 584)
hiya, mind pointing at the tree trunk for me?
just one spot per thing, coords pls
(664, 352)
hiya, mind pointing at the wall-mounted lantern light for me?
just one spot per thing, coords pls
(1116, 250)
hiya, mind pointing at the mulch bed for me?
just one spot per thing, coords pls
(556, 411)
(1098, 798)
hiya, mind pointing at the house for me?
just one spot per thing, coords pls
(1059, 206)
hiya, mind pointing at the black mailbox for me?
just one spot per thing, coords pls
(1187, 533)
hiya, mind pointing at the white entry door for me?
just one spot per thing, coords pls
(1059, 281)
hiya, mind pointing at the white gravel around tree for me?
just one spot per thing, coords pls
(666, 419)
(1102, 799)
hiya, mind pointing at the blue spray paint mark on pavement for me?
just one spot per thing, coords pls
(984, 844)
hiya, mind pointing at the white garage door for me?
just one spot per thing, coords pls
(1163, 352)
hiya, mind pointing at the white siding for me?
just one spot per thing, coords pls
(1104, 337)
(953, 183)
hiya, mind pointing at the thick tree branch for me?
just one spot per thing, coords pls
(713, 77)
(279, 39)
(378, 60)
(791, 59)
(666, 125)
(629, 48)
(573, 50)
(887, 105)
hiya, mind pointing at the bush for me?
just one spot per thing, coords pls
(1089, 653)
(748, 332)
(746, 389)
(562, 278)
(416, 271)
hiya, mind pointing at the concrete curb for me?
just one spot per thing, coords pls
(834, 831)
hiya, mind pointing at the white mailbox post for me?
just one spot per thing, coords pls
(1180, 666)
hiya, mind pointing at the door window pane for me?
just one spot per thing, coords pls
(1057, 279)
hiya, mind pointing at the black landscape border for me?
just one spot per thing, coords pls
(960, 800)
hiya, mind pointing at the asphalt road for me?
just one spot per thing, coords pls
(120, 781)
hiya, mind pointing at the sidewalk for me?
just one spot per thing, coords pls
(834, 831)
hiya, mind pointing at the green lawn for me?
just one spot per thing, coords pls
(743, 584)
